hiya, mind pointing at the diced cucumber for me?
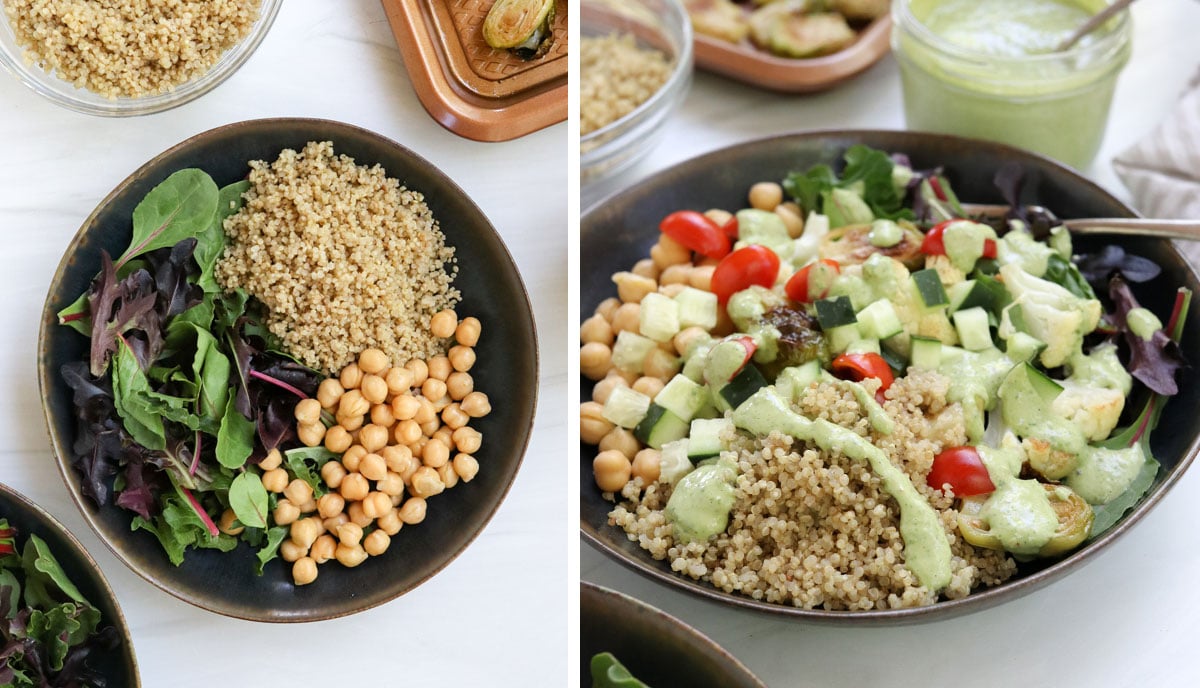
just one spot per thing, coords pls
(1022, 347)
(929, 288)
(879, 320)
(682, 397)
(697, 308)
(1046, 388)
(835, 312)
(952, 353)
(693, 366)
(673, 461)
(958, 292)
(796, 379)
(896, 361)
(987, 293)
(743, 386)
(626, 407)
(659, 317)
(973, 331)
(704, 437)
(863, 346)
(660, 426)
(631, 350)
(926, 353)
(838, 338)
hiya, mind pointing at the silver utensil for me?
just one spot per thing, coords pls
(1187, 230)
(1091, 24)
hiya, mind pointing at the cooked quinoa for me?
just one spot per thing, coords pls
(616, 76)
(344, 258)
(816, 529)
(133, 48)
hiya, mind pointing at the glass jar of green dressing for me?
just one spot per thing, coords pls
(988, 69)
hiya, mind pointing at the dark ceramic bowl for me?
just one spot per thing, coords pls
(119, 667)
(657, 648)
(619, 231)
(507, 363)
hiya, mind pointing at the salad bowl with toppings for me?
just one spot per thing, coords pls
(276, 406)
(821, 389)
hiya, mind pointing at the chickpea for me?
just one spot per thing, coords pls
(373, 361)
(459, 385)
(447, 474)
(333, 472)
(765, 195)
(611, 469)
(468, 331)
(792, 219)
(323, 548)
(352, 403)
(350, 377)
(427, 429)
(350, 556)
(435, 454)
(308, 411)
(645, 268)
(330, 505)
(298, 491)
(661, 364)
(357, 515)
(594, 360)
(291, 552)
(419, 371)
(228, 523)
(646, 465)
(350, 423)
(286, 513)
(399, 380)
(454, 417)
(462, 358)
(304, 571)
(354, 487)
(596, 329)
(676, 274)
(337, 439)
(376, 504)
(650, 386)
(396, 457)
(426, 482)
(593, 426)
(334, 522)
(632, 287)
(376, 543)
(621, 440)
(275, 480)
(311, 434)
(443, 324)
(391, 484)
(352, 459)
(719, 216)
(329, 392)
(603, 389)
(273, 459)
(406, 432)
(413, 510)
(374, 389)
(686, 337)
(390, 522)
(381, 414)
(608, 307)
(467, 440)
(476, 405)
(441, 403)
(405, 407)
(373, 437)
(305, 531)
(433, 389)
(308, 507)
(466, 466)
(671, 290)
(439, 367)
(701, 277)
(628, 318)
(669, 252)
(426, 412)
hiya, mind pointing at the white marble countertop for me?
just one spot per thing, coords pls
(1131, 617)
(469, 625)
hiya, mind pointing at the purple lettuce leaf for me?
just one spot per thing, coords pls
(1154, 361)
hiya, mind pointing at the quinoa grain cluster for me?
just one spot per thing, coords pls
(344, 258)
(132, 48)
(616, 76)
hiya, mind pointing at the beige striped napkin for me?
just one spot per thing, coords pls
(1162, 171)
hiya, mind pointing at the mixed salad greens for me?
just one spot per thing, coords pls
(609, 672)
(184, 390)
(48, 629)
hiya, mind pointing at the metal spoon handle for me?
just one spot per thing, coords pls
(1091, 24)
(1188, 230)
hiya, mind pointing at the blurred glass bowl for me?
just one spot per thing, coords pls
(658, 24)
(82, 100)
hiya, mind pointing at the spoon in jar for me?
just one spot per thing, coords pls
(1187, 230)
(1092, 23)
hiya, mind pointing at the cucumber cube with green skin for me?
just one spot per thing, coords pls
(630, 351)
(626, 407)
(658, 317)
(926, 353)
(795, 379)
(835, 312)
(660, 426)
(704, 437)
(839, 338)
(697, 308)
(973, 330)
(1022, 347)
(929, 288)
(879, 320)
(683, 397)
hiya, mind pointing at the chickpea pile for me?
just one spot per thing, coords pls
(403, 436)
(670, 267)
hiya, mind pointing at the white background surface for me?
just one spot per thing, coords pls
(1131, 617)
(470, 625)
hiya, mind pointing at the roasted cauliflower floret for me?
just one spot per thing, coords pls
(1094, 410)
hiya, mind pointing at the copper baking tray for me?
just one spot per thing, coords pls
(744, 62)
(470, 88)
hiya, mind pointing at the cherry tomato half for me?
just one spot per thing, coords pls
(731, 228)
(743, 268)
(934, 245)
(697, 232)
(961, 469)
(859, 367)
(812, 281)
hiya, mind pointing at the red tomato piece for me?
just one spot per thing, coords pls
(858, 367)
(989, 248)
(745, 267)
(731, 228)
(697, 232)
(934, 243)
(961, 469)
(812, 281)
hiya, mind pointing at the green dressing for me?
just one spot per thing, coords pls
(1020, 516)
(1006, 28)
(1143, 323)
(1102, 474)
(885, 233)
(880, 421)
(699, 506)
(964, 243)
(1028, 414)
(1101, 368)
(974, 379)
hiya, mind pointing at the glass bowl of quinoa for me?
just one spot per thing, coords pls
(121, 58)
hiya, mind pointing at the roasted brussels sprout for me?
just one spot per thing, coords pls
(519, 25)
(789, 30)
(800, 338)
(861, 10)
(1075, 518)
(851, 244)
(721, 19)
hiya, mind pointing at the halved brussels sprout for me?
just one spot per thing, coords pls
(852, 244)
(518, 25)
(1074, 521)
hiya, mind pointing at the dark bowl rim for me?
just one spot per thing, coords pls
(45, 384)
(980, 599)
(119, 622)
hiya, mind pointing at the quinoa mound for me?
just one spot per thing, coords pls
(344, 258)
(616, 76)
(133, 48)
(816, 529)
